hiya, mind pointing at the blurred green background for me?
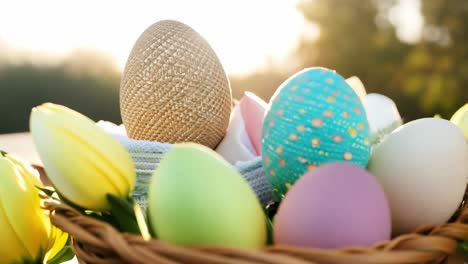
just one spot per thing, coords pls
(425, 75)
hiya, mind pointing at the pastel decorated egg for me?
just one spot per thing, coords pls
(315, 117)
(198, 198)
(423, 169)
(460, 118)
(337, 205)
(174, 88)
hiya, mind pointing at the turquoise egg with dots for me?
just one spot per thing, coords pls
(314, 118)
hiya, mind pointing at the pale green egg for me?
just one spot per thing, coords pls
(197, 198)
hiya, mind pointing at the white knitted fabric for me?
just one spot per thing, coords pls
(146, 156)
(253, 173)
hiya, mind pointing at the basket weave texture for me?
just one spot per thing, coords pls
(174, 88)
(98, 242)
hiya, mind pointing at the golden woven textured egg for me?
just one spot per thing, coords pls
(174, 88)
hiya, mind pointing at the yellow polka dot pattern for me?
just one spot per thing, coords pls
(314, 118)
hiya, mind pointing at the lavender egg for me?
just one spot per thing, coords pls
(336, 205)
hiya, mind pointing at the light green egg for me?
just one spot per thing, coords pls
(197, 198)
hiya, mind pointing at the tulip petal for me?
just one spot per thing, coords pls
(29, 173)
(83, 128)
(21, 208)
(11, 247)
(58, 239)
(77, 176)
(82, 160)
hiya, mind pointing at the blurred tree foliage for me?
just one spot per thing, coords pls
(435, 72)
(357, 38)
(351, 41)
(86, 82)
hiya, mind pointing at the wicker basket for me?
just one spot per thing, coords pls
(98, 242)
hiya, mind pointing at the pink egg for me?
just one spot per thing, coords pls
(253, 112)
(336, 205)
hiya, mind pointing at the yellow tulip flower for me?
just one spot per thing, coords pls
(83, 162)
(460, 118)
(25, 228)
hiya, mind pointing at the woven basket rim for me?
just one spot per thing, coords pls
(99, 242)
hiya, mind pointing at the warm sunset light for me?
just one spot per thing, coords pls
(245, 34)
(73, 52)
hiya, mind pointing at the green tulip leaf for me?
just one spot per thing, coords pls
(123, 214)
(54, 193)
(269, 225)
(462, 248)
(29, 260)
(270, 211)
(101, 216)
(49, 191)
(70, 203)
(65, 254)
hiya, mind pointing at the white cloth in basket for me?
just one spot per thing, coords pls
(146, 156)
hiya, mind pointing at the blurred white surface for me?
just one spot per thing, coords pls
(22, 145)
(73, 261)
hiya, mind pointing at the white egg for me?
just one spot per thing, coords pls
(381, 112)
(422, 167)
